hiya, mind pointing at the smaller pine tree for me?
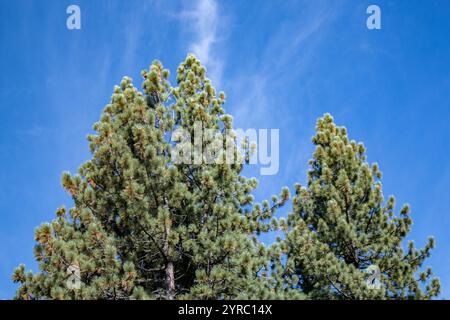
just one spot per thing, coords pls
(341, 226)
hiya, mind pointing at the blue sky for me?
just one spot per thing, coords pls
(282, 65)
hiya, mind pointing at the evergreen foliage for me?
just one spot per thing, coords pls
(165, 230)
(146, 226)
(340, 226)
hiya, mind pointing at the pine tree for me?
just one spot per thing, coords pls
(147, 226)
(341, 225)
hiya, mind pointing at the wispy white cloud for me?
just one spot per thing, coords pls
(204, 17)
(287, 54)
(263, 96)
(203, 21)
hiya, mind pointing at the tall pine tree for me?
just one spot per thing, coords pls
(147, 226)
(341, 226)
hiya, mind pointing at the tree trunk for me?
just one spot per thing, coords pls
(170, 281)
(170, 278)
